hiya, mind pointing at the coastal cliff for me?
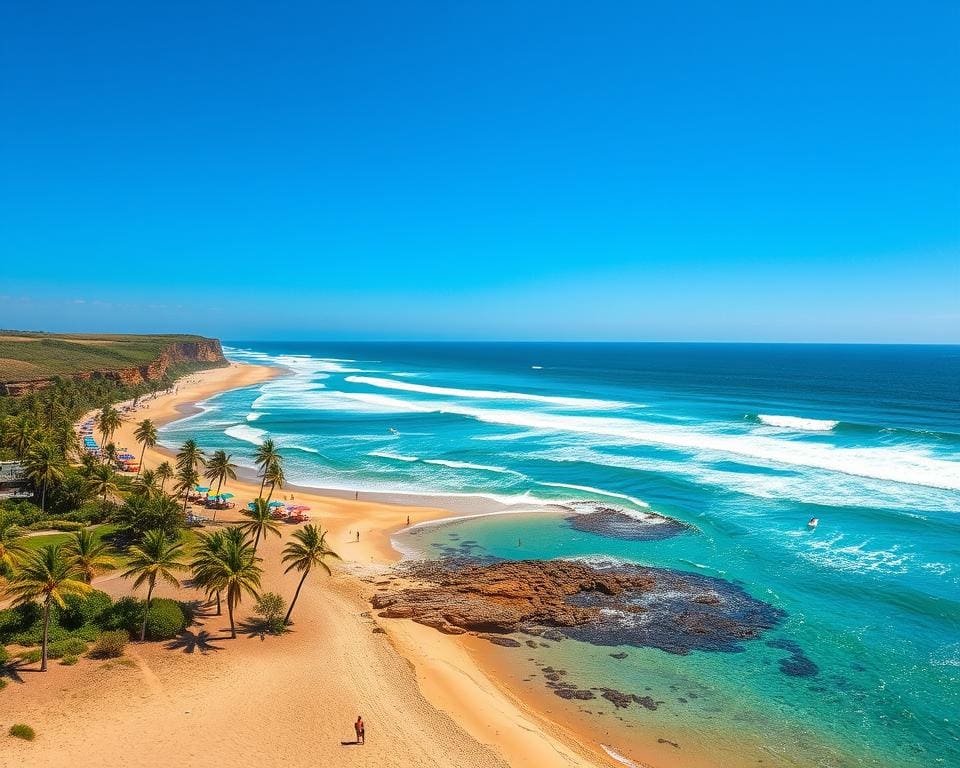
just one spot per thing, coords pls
(168, 353)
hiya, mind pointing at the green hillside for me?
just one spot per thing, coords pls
(27, 355)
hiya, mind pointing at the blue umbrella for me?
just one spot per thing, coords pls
(202, 489)
(226, 496)
(275, 504)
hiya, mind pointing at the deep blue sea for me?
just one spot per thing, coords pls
(745, 443)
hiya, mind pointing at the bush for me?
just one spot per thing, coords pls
(72, 646)
(30, 656)
(55, 525)
(165, 620)
(22, 731)
(3, 683)
(109, 645)
(69, 661)
(271, 608)
(4, 656)
(125, 614)
(84, 610)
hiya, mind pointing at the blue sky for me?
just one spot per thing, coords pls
(650, 171)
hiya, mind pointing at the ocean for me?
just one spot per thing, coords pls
(741, 443)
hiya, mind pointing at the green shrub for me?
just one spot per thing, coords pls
(30, 656)
(22, 731)
(125, 614)
(4, 656)
(271, 608)
(3, 683)
(165, 620)
(55, 525)
(72, 646)
(69, 661)
(109, 645)
(84, 610)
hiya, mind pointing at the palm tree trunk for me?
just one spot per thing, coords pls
(233, 629)
(46, 632)
(256, 541)
(263, 483)
(146, 613)
(296, 594)
(142, 454)
(273, 487)
(43, 498)
(218, 603)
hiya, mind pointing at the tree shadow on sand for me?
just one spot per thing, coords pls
(12, 670)
(192, 642)
(256, 628)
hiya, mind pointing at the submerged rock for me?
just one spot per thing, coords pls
(796, 664)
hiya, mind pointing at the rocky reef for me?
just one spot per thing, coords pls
(617, 524)
(604, 603)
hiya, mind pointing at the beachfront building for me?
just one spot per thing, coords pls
(13, 481)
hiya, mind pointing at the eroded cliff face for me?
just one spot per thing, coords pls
(200, 351)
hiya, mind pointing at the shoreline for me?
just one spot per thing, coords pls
(453, 677)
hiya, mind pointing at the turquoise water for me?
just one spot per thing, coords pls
(743, 442)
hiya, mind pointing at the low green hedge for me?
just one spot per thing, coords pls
(109, 645)
(72, 646)
(56, 525)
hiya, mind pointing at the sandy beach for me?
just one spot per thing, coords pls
(290, 700)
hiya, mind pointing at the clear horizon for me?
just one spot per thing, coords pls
(698, 174)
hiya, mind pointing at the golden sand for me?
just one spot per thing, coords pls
(286, 701)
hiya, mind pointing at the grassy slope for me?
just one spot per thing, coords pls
(39, 355)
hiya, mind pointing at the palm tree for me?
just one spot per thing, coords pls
(44, 464)
(164, 473)
(309, 550)
(110, 454)
(190, 455)
(11, 550)
(187, 478)
(102, 481)
(48, 576)
(209, 546)
(156, 556)
(90, 555)
(220, 469)
(146, 484)
(275, 477)
(266, 456)
(108, 422)
(19, 433)
(260, 522)
(65, 438)
(146, 435)
(233, 571)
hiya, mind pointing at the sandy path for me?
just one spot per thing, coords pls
(290, 700)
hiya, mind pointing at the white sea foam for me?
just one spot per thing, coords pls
(484, 394)
(797, 423)
(246, 433)
(394, 456)
(253, 416)
(621, 759)
(469, 465)
(599, 561)
(598, 491)
(887, 463)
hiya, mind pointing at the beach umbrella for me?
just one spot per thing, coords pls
(275, 504)
(202, 489)
(251, 505)
(226, 496)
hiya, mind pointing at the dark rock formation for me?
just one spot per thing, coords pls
(616, 524)
(796, 664)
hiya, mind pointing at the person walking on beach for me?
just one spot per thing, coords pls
(358, 727)
(358, 536)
